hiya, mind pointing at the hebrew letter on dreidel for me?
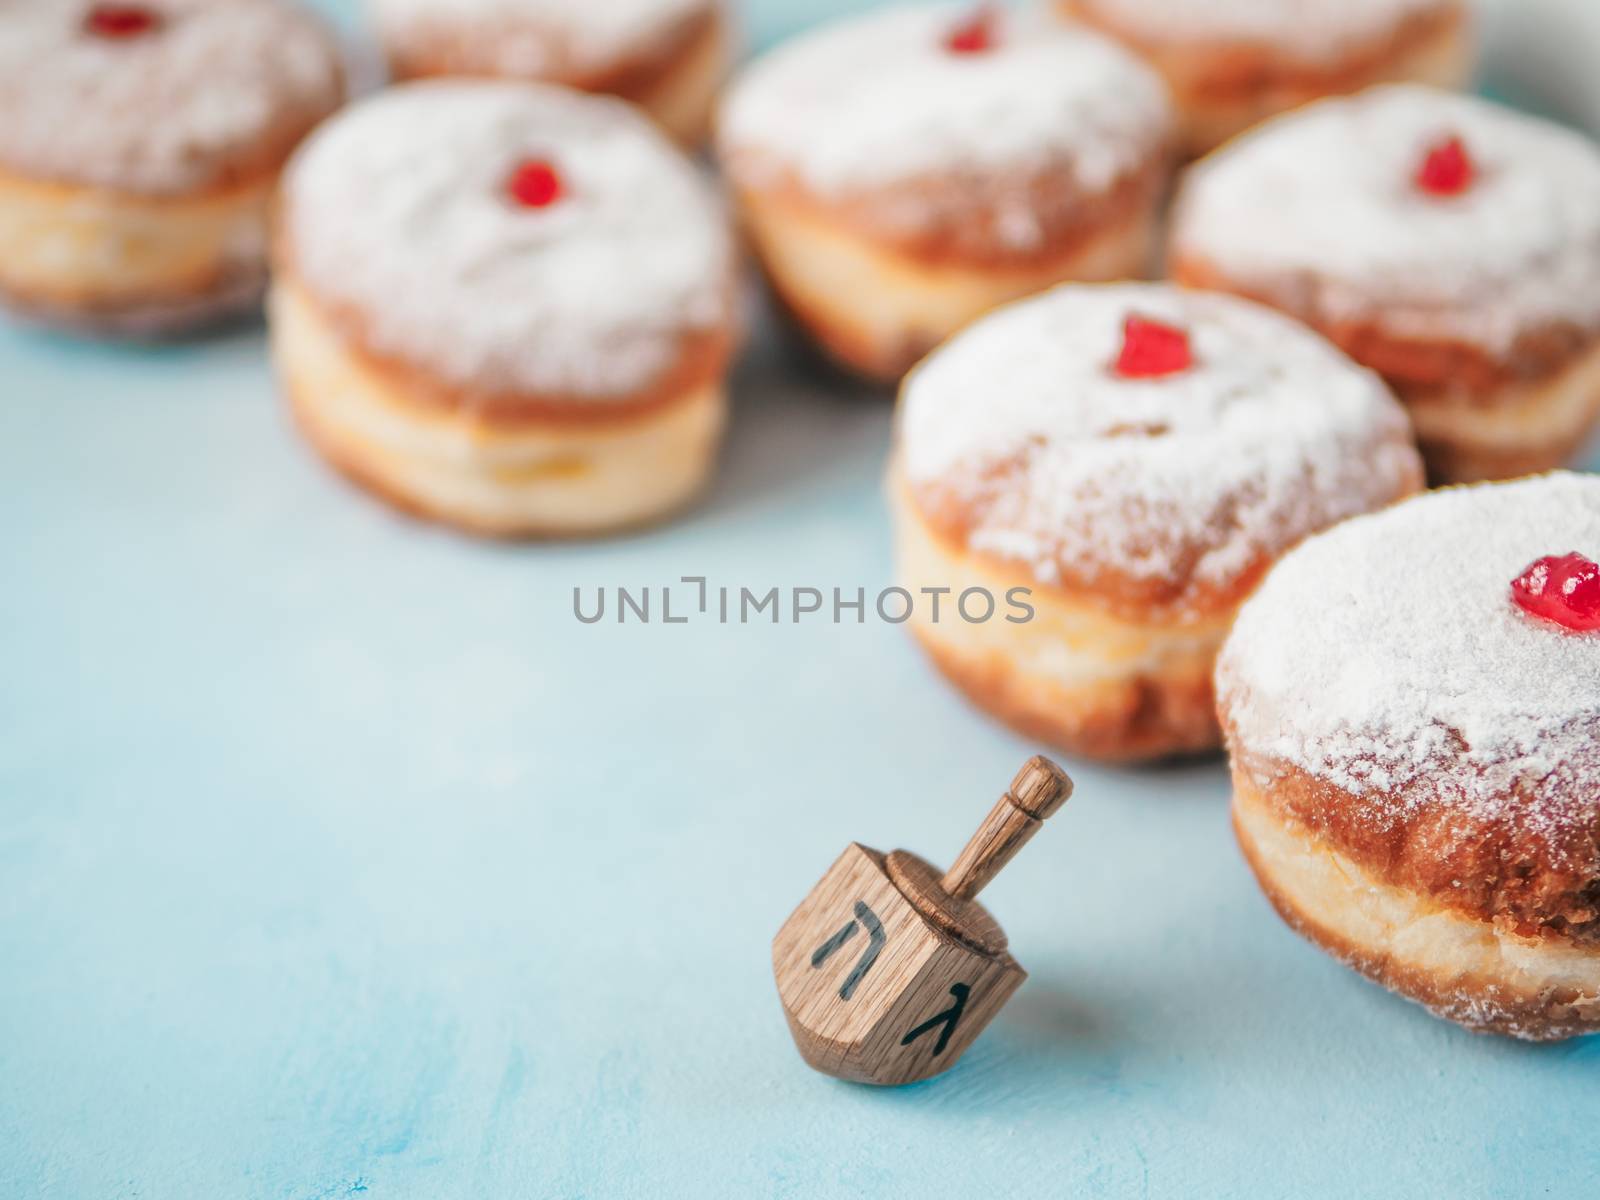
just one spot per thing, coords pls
(875, 940)
(931, 948)
(947, 1020)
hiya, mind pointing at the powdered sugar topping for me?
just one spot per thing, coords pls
(1320, 209)
(879, 99)
(1188, 478)
(1388, 656)
(1315, 30)
(533, 38)
(169, 111)
(399, 210)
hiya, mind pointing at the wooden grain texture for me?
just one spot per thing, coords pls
(879, 1030)
(919, 882)
(887, 972)
(1037, 791)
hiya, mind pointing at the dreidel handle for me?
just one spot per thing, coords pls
(1037, 791)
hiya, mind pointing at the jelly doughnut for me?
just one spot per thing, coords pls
(667, 56)
(140, 146)
(1232, 63)
(1448, 243)
(1412, 705)
(902, 172)
(1136, 456)
(506, 306)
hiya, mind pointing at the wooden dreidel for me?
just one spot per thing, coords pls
(888, 970)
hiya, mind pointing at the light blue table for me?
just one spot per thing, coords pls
(336, 857)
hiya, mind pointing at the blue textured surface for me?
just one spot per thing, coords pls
(336, 857)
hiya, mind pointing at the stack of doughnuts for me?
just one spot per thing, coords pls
(506, 306)
(666, 56)
(1412, 703)
(902, 172)
(1135, 456)
(1232, 63)
(140, 145)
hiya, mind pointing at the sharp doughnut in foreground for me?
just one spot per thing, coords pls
(1416, 757)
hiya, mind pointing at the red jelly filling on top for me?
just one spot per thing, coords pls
(1151, 349)
(975, 34)
(535, 184)
(1447, 169)
(120, 20)
(1561, 588)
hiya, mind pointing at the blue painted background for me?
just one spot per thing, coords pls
(336, 859)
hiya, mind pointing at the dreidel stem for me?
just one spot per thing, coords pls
(1036, 793)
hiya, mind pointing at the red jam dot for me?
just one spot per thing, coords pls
(1151, 349)
(535, 184)
(118, 21)
(974, 35)
(1447, 169)
(1564, 589)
